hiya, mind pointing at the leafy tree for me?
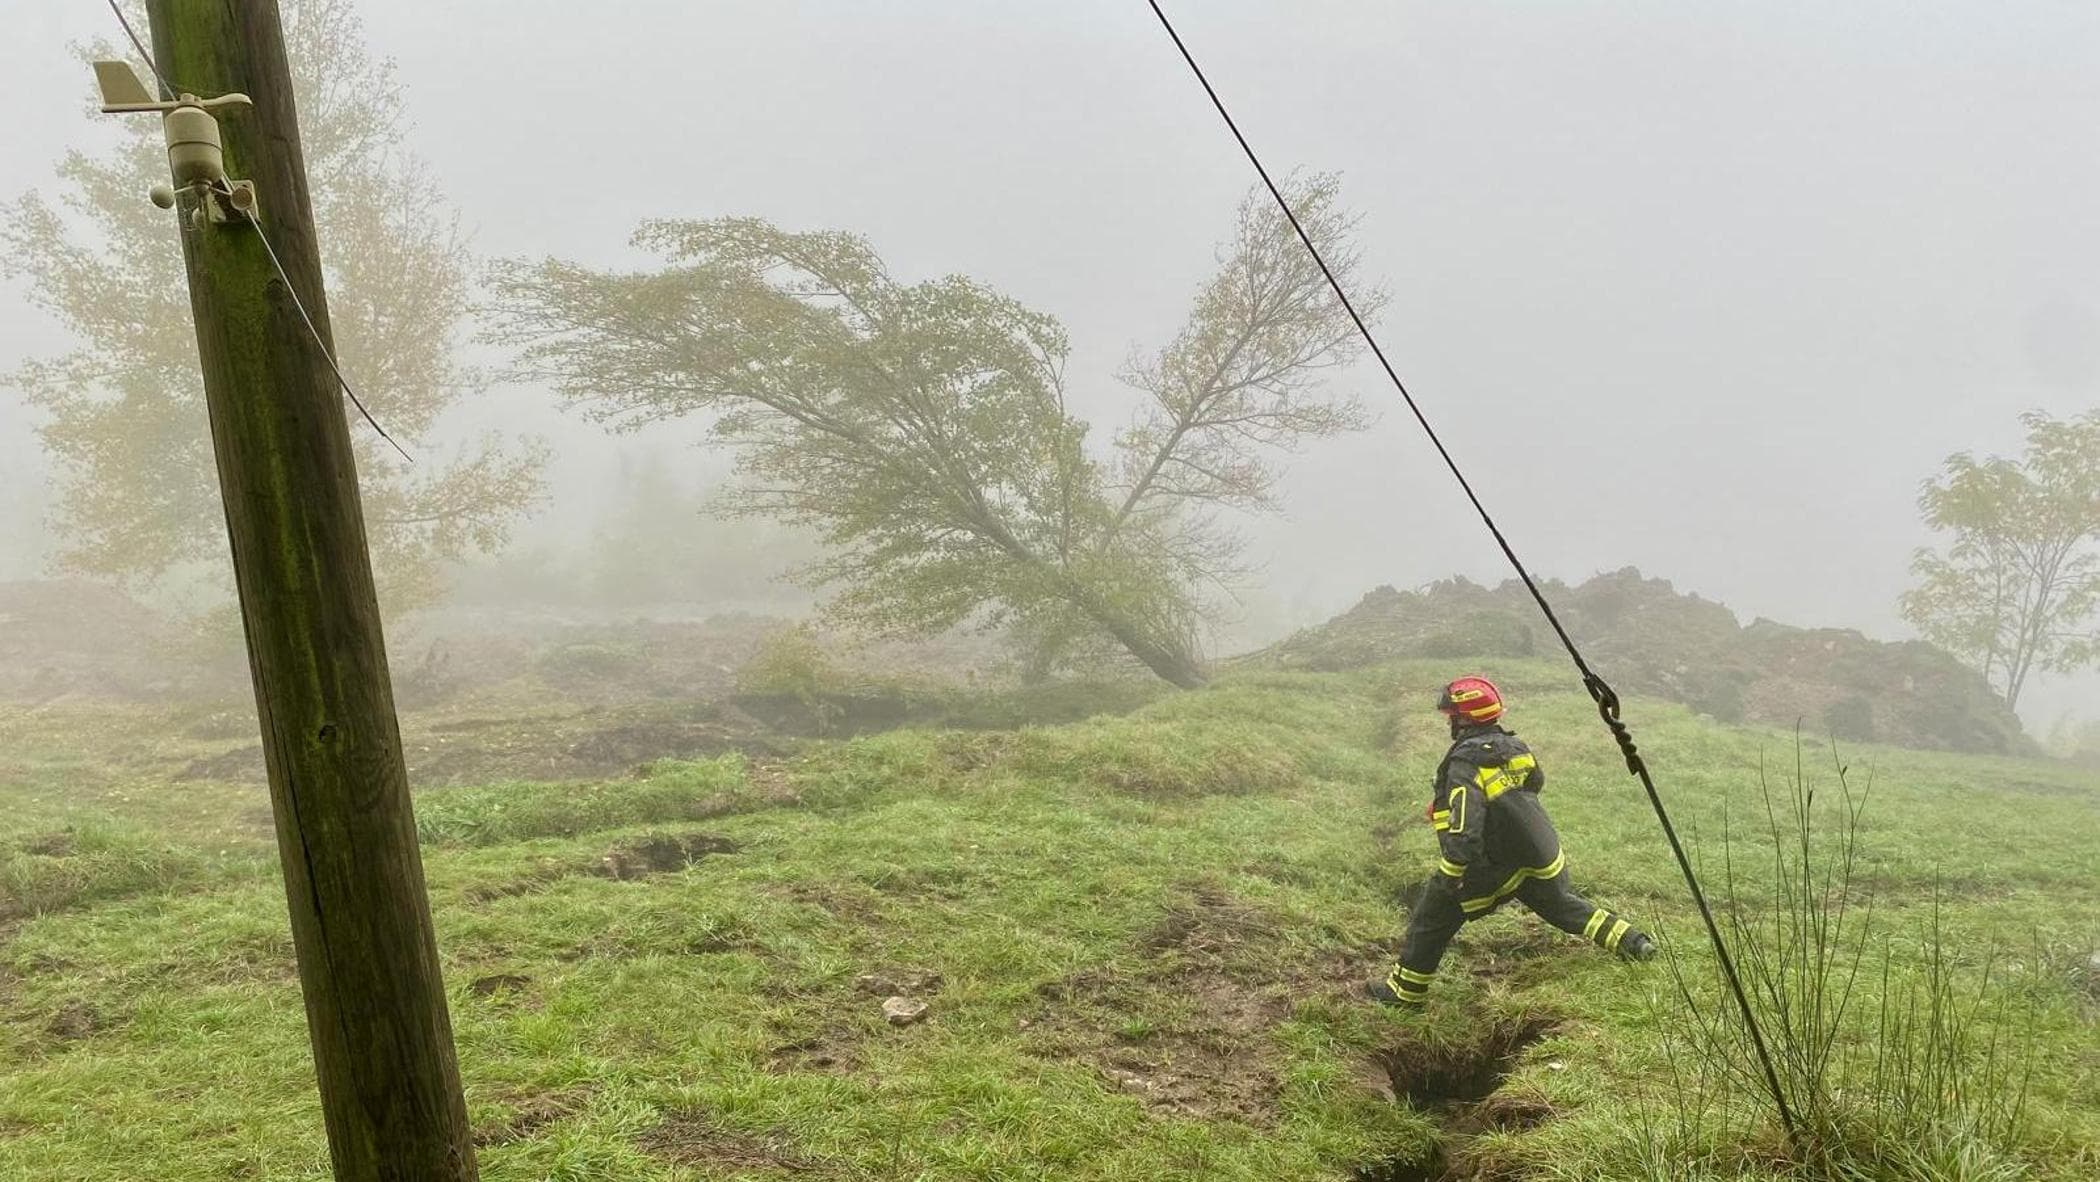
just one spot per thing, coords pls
(922, 428)
(2017, 587)
(139, 496)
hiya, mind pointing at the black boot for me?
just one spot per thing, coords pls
(1391, 990)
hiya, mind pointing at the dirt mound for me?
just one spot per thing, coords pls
(595, 742)
(612, 662)
(1650, 639)
(63, 637)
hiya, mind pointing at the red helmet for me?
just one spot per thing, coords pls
(1472, 700)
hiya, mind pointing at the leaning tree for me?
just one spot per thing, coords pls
(923, 427)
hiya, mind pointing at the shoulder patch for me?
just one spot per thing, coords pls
(1495, 749)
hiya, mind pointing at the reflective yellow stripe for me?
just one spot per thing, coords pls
(1397, 981)
(1458, 810)
(1558, 864)
(1450, 869)
(1597, 919)
(1494, 781)
(1618, 932)
(1408, 974)
(1441, 820)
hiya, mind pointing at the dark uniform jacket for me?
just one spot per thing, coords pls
(1493, 831)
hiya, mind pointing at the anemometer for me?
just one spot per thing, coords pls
(196, 157)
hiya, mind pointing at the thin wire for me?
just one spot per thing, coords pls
(167, 89)
(1600, 691)
(322, 345)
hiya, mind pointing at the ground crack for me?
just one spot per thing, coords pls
(1459, 1084)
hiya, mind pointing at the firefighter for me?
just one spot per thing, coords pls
(1497, 844)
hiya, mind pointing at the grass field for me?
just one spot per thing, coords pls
(1140, 938)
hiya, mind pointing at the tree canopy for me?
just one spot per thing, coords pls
(139, 497)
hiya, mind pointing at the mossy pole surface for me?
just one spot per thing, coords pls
(368, 965)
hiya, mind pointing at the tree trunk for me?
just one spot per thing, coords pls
(346, 834)
(1170, 660)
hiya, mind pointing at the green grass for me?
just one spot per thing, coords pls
(498, 814)
(90, 862)
(1148, 932)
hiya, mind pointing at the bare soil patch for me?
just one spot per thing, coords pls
(537, 879)
(497, 984)
(51, 845)
(74, 1021)
(853, 902)
(660, 853)
(832, 1050)
(530, 1112)
(1236, 979)
(695, 1138)
(588, 744)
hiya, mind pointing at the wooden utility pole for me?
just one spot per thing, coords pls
(368, 962)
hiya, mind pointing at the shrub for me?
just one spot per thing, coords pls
(1891, 1067)
(790, 662)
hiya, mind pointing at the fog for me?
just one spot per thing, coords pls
(1707, 289)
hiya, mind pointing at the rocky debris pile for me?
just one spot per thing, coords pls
(1651, 639)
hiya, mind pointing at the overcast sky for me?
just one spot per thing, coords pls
(1706, 288)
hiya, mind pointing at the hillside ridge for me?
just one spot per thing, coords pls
(1649, 638)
